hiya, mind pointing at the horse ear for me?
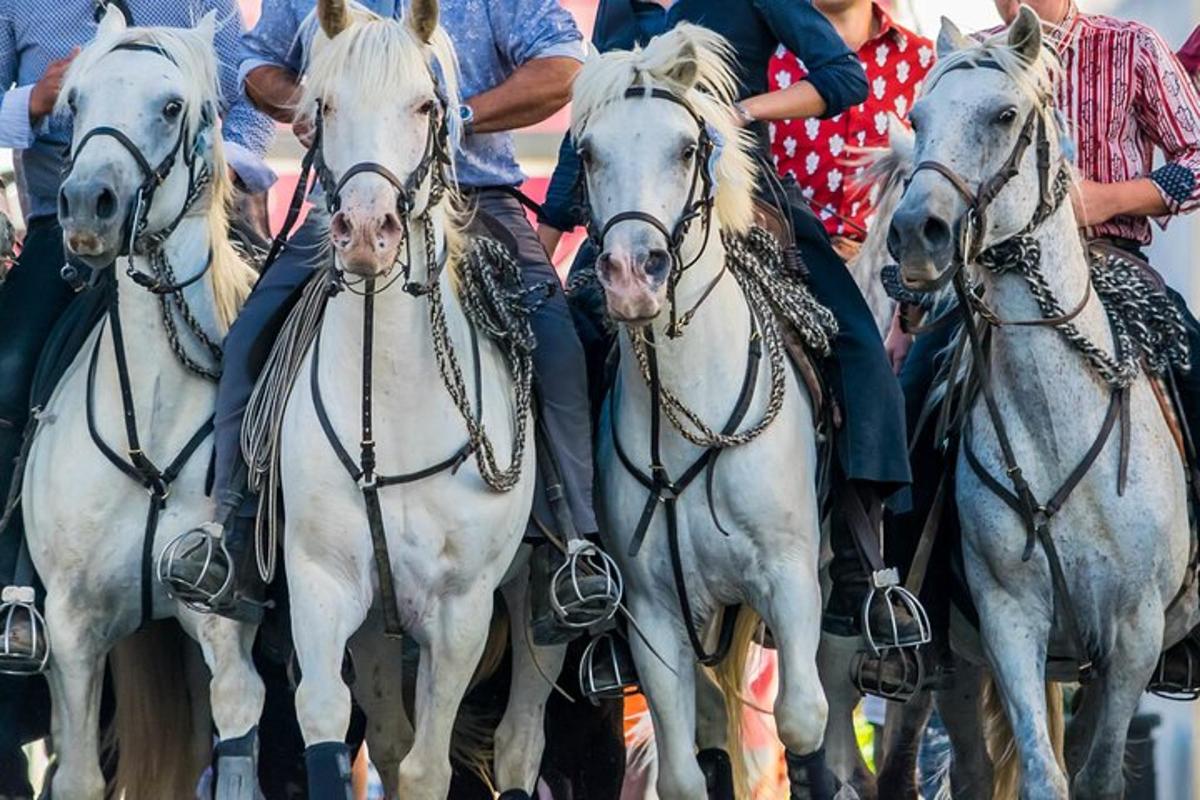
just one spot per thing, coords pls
(1025, 35)
(950, 38)
(333, 16)
(423, 18)
(686, 69)
(207, 27)
(113, 21)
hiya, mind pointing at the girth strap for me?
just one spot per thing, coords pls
(363, 472)
(138, 466)
(667, 492)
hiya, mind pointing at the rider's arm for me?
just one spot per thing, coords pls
(22, 108)
(247, 132)
(563, 209)
(540, 40)
(271, 60)
(835, 79)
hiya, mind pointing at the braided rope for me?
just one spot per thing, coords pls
(164, 273)
(757, 262)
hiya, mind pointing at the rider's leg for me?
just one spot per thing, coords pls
(197, 574)
(870, 447)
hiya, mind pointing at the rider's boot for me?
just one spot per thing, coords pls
(571, 592)
(1177, 675)
(213, 568)
(718, 773)
(329, 769)
(809, 778)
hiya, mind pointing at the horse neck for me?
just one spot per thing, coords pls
(145, 333)
(1036, 367)
(704, 365)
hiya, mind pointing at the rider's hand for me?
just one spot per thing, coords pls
(1091, 201)
(303, 129)
(45, 91)
(897, 343)
(549, 236)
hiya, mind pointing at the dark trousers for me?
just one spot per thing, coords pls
(558, 357)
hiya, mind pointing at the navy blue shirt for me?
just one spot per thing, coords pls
(755, 28)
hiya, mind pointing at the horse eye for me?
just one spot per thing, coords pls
(585, 156)
(173, 109)
(689, 152)
(1007, 116)
(71, 97)
(427, 107)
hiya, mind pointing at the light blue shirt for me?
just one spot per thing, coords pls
(492, 38)
(35, 32)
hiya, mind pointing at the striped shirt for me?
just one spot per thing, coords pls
(1124, 95)
(35, 32)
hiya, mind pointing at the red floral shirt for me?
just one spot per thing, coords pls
(818, 152)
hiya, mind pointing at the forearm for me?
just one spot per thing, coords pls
(532, 93)
(275, 91)
(798, 101)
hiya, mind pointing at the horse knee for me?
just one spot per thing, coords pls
(800, 719)
(423, 779)
(680, 781)
(83, 782)
(322, 709)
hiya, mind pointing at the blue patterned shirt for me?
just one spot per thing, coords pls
(35, 32)
(492, 38)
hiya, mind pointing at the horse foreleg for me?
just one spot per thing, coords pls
(378, 687)
(1116, 690)
(960, 706)
(236, 695)
(834, 660)
(325, 612)
(521, 736)
(452, 642)
(75, 675)
(1014, 637)
(670, 690)
(901, 744)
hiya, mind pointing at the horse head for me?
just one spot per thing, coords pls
(145, 147)
(983, 155)
(660, 155)
(381, 163)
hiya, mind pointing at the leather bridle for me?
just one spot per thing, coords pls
(135, 238)
(701, 197)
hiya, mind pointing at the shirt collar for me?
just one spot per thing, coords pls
(887, 26)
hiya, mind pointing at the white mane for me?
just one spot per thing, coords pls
(605, 78)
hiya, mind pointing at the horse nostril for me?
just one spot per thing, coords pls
(340, 228)
(604, 264)
(64, 205)
(936, 234)
(658, 263)
(106, 204)
(391, 225)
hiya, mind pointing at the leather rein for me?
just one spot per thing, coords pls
(1014, 489)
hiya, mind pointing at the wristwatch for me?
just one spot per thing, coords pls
(466, 115)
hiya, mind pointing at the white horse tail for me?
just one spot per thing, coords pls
(1002, 747)
(473, 743)
(731, 677)
(152, 725)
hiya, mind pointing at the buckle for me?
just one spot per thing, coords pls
(606, 669)
(586, 590)
(190, 591)
(24, 646)
(886, 592)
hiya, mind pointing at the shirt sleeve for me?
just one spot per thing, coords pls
(245, 127)
(1167, 110)
(833, 70)
(274, 41)
(16, 131)
(563, 208)
(529, 29)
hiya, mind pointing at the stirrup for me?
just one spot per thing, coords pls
(190, 591)
(886, 589)
(17, 609)
(894, 673)
(606, 670)
(1186, 690)
(586, 590)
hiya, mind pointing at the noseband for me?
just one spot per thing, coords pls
(135, 239)
(699, 205)
(436, 154)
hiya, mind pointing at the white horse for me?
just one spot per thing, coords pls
(144, 104)
(1124, 554)
(450, 537)
(664, 111)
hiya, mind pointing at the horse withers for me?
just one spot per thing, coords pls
(1070, 486)
(125, 433)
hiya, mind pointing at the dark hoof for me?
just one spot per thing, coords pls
(718, 773)
(515, 794)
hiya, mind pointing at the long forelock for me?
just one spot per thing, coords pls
(605, 78)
